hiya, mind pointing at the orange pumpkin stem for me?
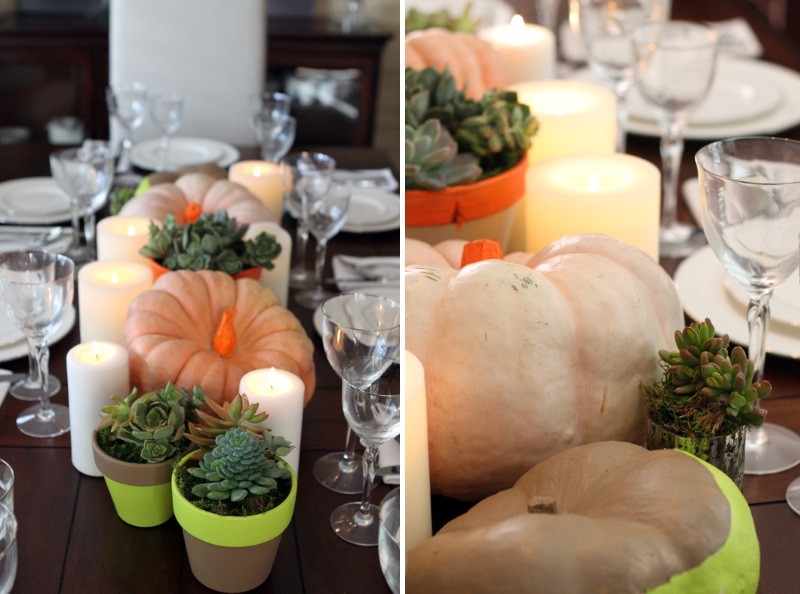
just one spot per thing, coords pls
(479, 250)
(225, 336)
(192, 212)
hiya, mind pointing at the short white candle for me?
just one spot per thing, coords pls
(96, 371)
(528, 51)
(276, 279)
(121, 237)
(617, 195)
(279, 393)
(416, 473)
(574, 118)
(105, 290)
(264, 181)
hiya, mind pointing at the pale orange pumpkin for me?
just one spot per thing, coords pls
(532, 354)
(193, 194)
(474, 63)
(205, 328)
(603, 517)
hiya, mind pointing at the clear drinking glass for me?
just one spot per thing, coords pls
(37, 288)
(276, 137)
(7, 485)
(85, 174)
(8, 549)
(372, 410)
(793, 491)
(389, 539)
(606, 27)
(354, 325)
(127, 103)
(270, 106)
(675, 63)
(750, 208)
(166, 111)
(324, 214)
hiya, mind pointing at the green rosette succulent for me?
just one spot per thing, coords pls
(219, 418)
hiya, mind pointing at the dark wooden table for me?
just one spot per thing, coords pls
(70, 538)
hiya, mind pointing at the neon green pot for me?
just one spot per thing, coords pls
(215, 544)
(140, 492)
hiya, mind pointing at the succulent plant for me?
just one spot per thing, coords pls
(497, 130)
(212, 242)
(417, 19)
(705, 390)
(239, 465)
(222, 417)
(153, 424)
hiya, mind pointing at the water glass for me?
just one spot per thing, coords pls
(166, 112)
(8, 549)
(7, 485)
(389, 539)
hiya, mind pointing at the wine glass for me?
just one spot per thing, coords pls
(269, 105)
(354, 325)
(320, 167)
(37, 288)
(605, 27)
(166, 111)
(372, 410)
(85, 174)
(793, 491)
(324, 213)
(275, 137)
(675, 67)
(8, 549)
(127, 103)
(750, 209)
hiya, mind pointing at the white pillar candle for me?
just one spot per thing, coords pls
(105, 290)
(264, 181)
(96, 371)
(121, 237)
(616, 194)
(276, 279)
(416, 475)
(528, 51)
(574, 117)
(279, 393)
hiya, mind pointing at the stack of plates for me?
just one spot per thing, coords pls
(372, 211)
(33, 201)
(183, 152)
(13, 343)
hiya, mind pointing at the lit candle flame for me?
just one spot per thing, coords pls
(593, 182)
(517, 22)
(131, 230)
(114, 278)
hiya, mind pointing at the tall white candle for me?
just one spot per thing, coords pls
(617, 195)
(264, 181)
(96, 371)
(416, 474)
(121, 237)
(105, 290)
(528, 51)
(280, 394)
(574, 118)
(276, 279)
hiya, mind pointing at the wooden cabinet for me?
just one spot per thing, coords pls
(57, 65)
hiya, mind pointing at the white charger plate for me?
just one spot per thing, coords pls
(372, 211)
(388, 291)
(20, 349)
(700, 280)
(33, 201)
(183, 151)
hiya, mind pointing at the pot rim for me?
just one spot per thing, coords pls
(144, 474)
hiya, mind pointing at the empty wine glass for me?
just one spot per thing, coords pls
(675, 67)
(372, 410)
(85, 174)
(793, 491)
(750, 209)
(269, 105)
(606, 27)
(324, 213)
(127, 103)
(320, 167)
(276, 137)
(37, 288)
(8, 549)
(354, 325)
(166, 111)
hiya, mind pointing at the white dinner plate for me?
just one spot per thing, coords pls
(33, 201)
(700, 279)
(372, 210)
(390, 292)
(20, 349)
(740, 91)
(183, 152)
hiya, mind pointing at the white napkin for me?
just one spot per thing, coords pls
(382, 179)
(347, 279)
(389, 455)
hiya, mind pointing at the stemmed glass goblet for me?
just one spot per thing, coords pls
(793, 491)
(166, 111)
(269, 105)
(354, 325)
(319, 167)
(85, 174)
(275, 137)
(675, 63)
(37, 288)
(324, 213)
(372, 409)
(127, 104)
(750, 209)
